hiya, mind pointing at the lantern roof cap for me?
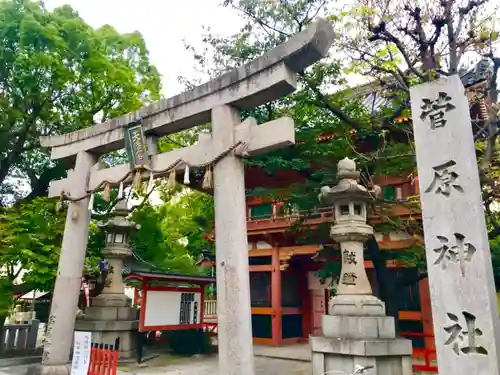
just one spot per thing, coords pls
(119, 219)
(347, 188)
(346, 168)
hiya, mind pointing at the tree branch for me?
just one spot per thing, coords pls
(17, 148)
(10, 272)
(254, 17)
(16, 275)
(491, 120)
(328, 105)
(309, 19)
(380, 33)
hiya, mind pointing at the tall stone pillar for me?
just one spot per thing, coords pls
(59, 336)
(233, 280)
(356, 332)
(111, 316)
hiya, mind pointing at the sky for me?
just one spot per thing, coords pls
(164, 25)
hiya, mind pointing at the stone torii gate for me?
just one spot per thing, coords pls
(219, 101)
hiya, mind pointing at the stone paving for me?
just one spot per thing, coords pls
(205, 366)
(14, 370)
(208, 366)
(199, 366)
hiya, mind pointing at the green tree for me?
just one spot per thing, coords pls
(30, 237)
(186, 220)
(173, 232)
(6, 301)
(57, 74)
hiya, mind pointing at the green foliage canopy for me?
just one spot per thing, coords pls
(58, 74)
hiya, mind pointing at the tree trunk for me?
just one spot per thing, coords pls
(385, 288)
(17, 148)
(2, 324)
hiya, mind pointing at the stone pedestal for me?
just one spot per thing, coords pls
(49, 369)
(357, 305)
(348, 341)
(110, 317)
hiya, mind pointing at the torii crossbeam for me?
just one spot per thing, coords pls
(219, 101)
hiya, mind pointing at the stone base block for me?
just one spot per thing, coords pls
(107, 332)
(110, 313)
(117, 300)
(360, 305)
(105, 326)
(40, 369)
(387, 356)
(359, 327)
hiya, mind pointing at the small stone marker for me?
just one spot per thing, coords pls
(464, 305)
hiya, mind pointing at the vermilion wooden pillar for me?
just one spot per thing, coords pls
(276, 297)
(136, 297)
(425, 306)
(306, 302)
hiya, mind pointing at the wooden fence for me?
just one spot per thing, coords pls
(19, 338)
(210, 308)
(104, 358)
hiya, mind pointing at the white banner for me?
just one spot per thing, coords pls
(81, 353)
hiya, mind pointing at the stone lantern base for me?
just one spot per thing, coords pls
(361, 305)
(350, 340)
(109, 317)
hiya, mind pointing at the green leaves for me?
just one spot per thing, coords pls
(6, 300)
(30, 237)
(57, 74)
(172, 235)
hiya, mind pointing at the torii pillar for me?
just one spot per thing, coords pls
(220, 101)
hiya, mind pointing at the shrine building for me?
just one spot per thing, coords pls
(288, 297)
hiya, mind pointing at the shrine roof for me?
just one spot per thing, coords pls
(171, 277)
(374, 99)
(138, 269)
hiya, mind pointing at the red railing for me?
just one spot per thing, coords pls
(314, 216)
(211, 329)
(104, 359)
(429, 355)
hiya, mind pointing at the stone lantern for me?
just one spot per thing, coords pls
(117, 250)
(356, 330)
(110, 315)
(349, 198)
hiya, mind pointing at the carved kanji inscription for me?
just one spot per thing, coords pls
(463, 338)
(445, 179)
(435, 109)
(454, 251)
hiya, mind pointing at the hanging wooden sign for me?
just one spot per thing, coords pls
(135, 144)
